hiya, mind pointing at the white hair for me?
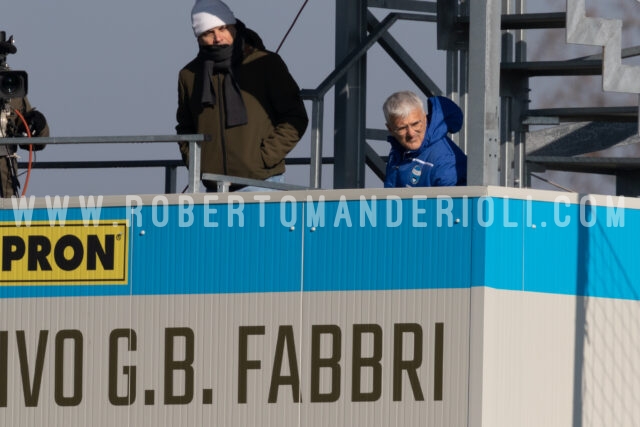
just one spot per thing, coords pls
(401, 104)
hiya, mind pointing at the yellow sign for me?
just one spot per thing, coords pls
(69, 254)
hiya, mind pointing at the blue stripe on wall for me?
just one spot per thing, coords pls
(384, 244)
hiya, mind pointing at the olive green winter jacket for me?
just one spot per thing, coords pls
(276, 115)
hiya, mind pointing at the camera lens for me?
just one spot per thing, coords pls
(11, 84)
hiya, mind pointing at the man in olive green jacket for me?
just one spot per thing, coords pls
(240, 95)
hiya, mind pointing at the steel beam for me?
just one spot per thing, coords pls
(484, 86)
(350, 97)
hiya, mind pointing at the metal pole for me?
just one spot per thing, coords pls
(484, 85)
(519, 152)
(350, 97)
(170, 174)
(315, 178)
(463, 140)
(452, 83)
(194, 167)
(506, 109)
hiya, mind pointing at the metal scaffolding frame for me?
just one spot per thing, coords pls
(487, 75)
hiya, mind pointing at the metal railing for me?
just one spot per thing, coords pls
(194, 141)
(222, 182)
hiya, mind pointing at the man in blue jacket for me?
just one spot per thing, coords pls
(422, 154)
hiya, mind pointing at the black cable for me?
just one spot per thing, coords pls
(292, 24)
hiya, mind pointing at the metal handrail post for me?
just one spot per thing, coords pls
(223, 186)
(170, 179)
(194, 167)
(316, 143)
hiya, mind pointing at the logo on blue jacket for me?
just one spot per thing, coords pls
(415, 174)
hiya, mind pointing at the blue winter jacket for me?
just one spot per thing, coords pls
(438, 161)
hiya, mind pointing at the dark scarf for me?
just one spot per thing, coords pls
(217, 59)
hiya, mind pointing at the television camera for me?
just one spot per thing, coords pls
(17, 119)
(13, 84)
